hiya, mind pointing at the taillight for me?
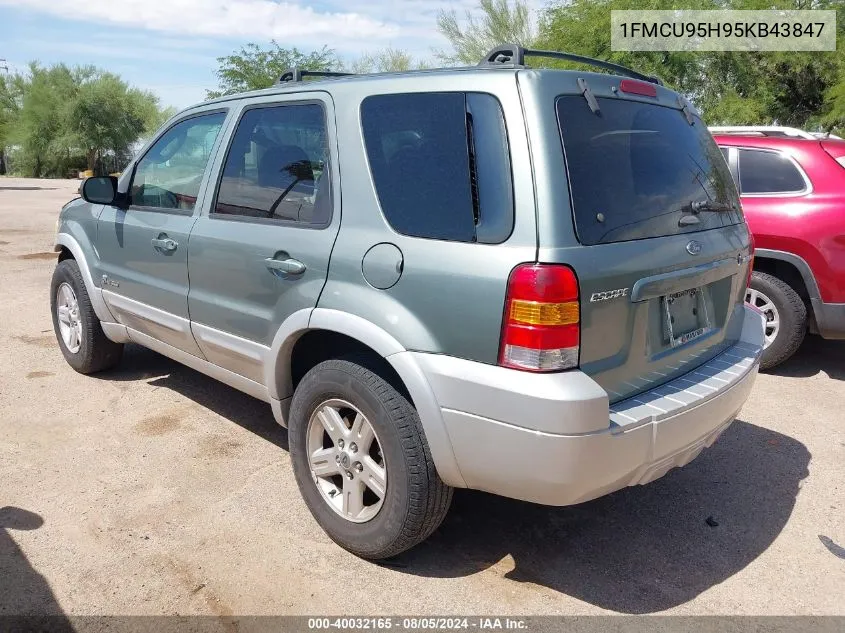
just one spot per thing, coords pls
(540, 330)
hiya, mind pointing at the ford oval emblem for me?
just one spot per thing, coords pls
(694, 247)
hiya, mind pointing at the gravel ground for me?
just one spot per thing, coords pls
(152, 489)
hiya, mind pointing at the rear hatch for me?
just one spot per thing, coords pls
(660, 247)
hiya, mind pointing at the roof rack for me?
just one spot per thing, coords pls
(762, 130)
(297, 74)
(514, 55)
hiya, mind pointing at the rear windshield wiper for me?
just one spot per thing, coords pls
(698, 206)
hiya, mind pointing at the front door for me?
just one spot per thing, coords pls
(144, 247)
(262, 252)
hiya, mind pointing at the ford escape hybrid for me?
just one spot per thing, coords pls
(528, 282)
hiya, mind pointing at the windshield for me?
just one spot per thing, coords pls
(639, 170)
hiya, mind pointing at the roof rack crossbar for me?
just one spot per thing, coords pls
(514, 55)
(298, 74)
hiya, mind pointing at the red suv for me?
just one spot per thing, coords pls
(792, 186)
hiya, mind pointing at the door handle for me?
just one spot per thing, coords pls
(289, 266)
(165, 243)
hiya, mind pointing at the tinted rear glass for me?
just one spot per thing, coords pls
(440, 164)
(768, 172)
(635, 168)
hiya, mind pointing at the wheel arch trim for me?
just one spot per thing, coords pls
(800, 264)
(97, 302)
(279, 383)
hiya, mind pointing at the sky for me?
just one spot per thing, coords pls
(170, 46)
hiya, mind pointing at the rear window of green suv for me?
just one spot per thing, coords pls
(636, 168)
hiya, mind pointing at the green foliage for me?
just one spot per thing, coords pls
(499, 23)
(799, 89)
(59, 118)
(385, 61)
(253, 67)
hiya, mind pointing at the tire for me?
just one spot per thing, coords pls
(415, 500)
(789, 312)
(95, 351)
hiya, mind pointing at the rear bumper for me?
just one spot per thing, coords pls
(830, 319)
(553, 438)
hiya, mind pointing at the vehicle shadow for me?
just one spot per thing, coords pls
(26, 600)
(642, 549)
(140, 363)
(815, 354)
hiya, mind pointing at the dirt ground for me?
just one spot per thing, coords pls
(152, 489)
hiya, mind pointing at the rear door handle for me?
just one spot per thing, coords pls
(288, 266)
(165, 243)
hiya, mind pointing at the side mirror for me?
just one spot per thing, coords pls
(100, 190)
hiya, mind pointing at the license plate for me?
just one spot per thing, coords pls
(685, 316)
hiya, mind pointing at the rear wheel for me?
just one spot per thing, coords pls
(81, 338)
(786, 317)
(362, 462)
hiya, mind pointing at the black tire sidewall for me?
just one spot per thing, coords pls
(366, 539)
(67, 271)
(792, 314)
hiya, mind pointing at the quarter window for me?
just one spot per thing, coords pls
(277, 166)
(440, 164)
(763, 172)
(170, 173)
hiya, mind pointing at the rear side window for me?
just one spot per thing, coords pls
(277, 166)
(636, 168)
(440, 164)
(764, 172)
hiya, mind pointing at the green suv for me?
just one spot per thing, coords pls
(523, 281)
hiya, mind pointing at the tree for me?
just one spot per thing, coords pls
(802, 89)
(59, 118)
(42, 124)
(108, 115)
(253, 67)
(499, 23)
(385, 61)
(11, 99)
(583, 27)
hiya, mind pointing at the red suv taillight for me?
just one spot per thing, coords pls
(540, 329)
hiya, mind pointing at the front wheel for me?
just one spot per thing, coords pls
(362, 462)
(786, 317)
(81, 338)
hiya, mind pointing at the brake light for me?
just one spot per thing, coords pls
(541, 327)
(631, 86)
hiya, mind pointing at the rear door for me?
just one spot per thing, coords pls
(771, 185)
(653, 229)
(144, 248)
(262, 252)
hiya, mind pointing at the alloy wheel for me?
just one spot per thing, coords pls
(769, 310)
(346, 460)
(70, 325)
